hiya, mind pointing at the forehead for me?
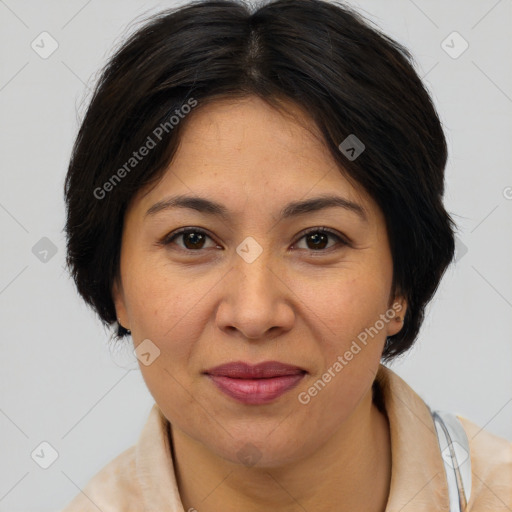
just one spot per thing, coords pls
(248, 132)
(241, 151)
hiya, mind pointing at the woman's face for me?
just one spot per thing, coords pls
(250, 285)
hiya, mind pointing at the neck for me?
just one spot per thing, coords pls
(350, 472)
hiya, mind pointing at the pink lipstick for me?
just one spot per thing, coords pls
(255, 384)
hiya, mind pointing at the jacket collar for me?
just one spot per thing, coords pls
(155, 468)
(418, 479)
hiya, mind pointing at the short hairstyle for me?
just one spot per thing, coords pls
(349, 77)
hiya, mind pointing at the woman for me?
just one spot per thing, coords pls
(256, 199)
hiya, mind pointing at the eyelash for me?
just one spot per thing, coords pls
(168, 239)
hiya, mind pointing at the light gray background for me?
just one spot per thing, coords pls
(60, 382)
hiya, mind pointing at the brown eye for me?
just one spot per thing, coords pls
(317, 239)
(191, 239)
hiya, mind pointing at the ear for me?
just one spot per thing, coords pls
(396, 313)
(119, 303)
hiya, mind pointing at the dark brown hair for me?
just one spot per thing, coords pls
(349, 78)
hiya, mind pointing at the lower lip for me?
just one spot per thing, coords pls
(256, 391)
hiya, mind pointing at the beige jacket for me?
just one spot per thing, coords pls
(142, 479)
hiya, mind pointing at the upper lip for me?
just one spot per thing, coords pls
(265, 370)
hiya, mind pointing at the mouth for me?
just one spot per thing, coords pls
(255, 384)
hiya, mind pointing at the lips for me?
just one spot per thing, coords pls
(255, 384)
(265, 370)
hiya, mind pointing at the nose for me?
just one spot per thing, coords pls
(256, 302)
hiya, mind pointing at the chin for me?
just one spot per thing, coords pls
(261, 448)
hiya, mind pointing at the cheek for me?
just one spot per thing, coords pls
(168, 312)
(346, 305)
(352, 338)
(159, 300)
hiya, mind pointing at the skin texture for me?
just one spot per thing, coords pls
(294, 304)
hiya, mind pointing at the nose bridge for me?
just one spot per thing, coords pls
(253, 262)
(254, 293)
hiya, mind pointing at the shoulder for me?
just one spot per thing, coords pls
(113, 489)
(491, 468)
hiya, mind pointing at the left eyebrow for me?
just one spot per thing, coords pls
(292, 209)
